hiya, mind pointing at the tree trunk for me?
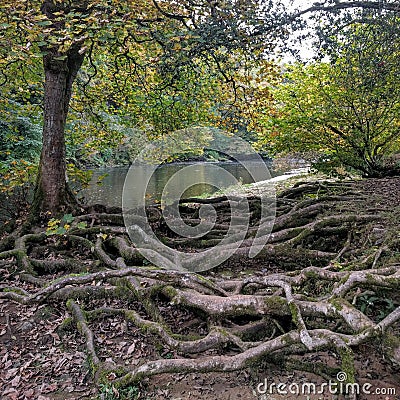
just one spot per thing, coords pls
(52, 194)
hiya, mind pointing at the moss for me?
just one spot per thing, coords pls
(371, 279)
(223, 332)
(337, 303)
(169, 291)
(391, 340)
(391, 343)
(66, 327)
(191, 337)
(204, 279)
(44, 314)
(127, 380)
(66, 277)
(277, 305)
(102, 372)
(344, 279)
(23, 262)
(150, 267)
(69, 303)
(160, 348)
(13, 290)
(19, 255)
(36, 207)
(287, 340)
(294, 312)
(121, 291)
(92, 367)
(390, 281)
(145, 327)
(347, 363)
(312, 275)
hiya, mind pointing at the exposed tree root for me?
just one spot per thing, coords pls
(301, 294)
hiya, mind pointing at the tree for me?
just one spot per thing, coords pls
(345, 110)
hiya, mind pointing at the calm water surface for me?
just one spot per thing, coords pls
(193, 179)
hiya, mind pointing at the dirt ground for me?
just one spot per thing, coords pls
(35, 363)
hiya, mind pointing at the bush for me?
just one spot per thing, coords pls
(17, 179)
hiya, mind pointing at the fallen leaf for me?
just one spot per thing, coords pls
(29, 393)
(15, 381)
(11, 372)
(13, 396)
(50, 388)
(131, 348)
(9, 392)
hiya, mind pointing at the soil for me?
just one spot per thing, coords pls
(36, 363)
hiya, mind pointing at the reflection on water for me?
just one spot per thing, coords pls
(210, 180)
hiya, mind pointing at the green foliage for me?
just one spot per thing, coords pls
(115, 129)
(145, 73)
(17, 178)
(344, 112)
(63, 225)
(92, 140)
(20, 135)
(155, 67)
(15, 174)
(20, 145)
(375, 305)
(110, 392)
(78, 177)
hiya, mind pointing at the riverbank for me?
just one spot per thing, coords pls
(278, 183)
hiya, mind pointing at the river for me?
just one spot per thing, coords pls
(202, 177)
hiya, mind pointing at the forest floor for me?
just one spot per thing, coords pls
(331, 240)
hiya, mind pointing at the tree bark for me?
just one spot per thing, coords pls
(52, 194)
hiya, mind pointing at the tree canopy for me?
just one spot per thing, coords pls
(344, 109)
